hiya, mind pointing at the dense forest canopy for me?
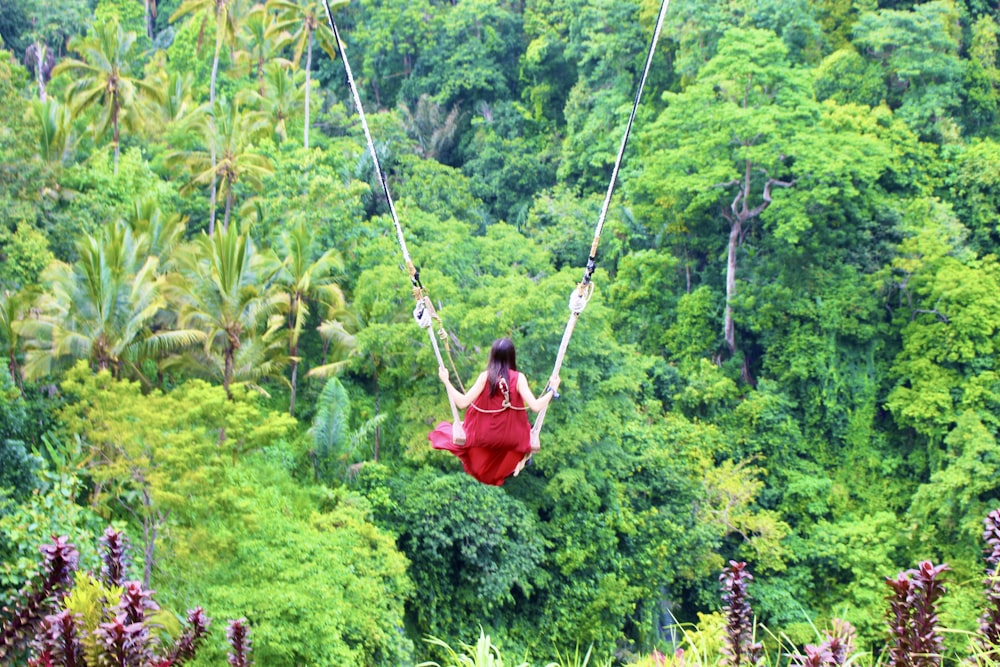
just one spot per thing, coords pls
(792, 357)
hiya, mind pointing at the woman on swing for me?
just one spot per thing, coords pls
(497, 432)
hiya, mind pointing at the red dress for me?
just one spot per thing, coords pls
(495, 442)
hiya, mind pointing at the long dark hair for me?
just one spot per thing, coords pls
(503, 359)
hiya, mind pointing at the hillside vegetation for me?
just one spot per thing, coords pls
(791, 358)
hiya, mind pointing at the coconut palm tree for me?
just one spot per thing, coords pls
(305, 281)
(101, 308)
(226, 15)
(228, 134)
(262, 40)
(305, 20)
(222, 292)
(15, 313)
(281, 98)
(102, 80)
(55, 129)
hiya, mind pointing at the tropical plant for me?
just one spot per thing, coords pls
(100, 308)
(304, 21)
(102, 79)
(227, 133)
(263, 39)
(281, 97)
(75, 619)
(55, 129)
(15, 310)
(226, 29)
(224, 296)
(483, 654)
(304, 280)
(333, 444)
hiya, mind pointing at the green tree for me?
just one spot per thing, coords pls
(15, 316)
(306, 21)
(226, 23)
(390, 35)
(230, 158)
(473, 56)
(756, 104)
(306, 276)
(101, 308)
(50, 25)
(281, 99)
(263, 38)
(55, 130)
(223, 295)
(918, 52)
(103, 79)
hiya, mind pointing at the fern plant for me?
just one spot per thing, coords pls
(334, 444)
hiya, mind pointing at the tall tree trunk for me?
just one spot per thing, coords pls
(740, 216)
(15, 371)
(378, 429)
(729, 329)
(40, 69)
(229, 206)
(150, 17)
(309, 55)
(227, 371)
(115, 134)
(295, 376)
(211, 147)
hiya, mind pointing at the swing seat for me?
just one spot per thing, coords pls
(458, 433)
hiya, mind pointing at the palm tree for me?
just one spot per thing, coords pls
(102, 79)
(304, 20)
(333, 444)
(230, 159)
(263, 38)
(101, 307)
(159, 234)
(304, 281)
(15, 313)
(223, 295)
(281, 97)
(55, 129)
(226, 16)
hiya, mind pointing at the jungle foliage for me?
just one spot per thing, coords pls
(792, 358)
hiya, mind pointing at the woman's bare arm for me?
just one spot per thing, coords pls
(536, 404)
(461, 400)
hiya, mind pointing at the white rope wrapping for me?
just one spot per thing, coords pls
(422, 314)
(579, 297)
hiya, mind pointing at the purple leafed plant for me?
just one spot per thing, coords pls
(57, 640)
(814, 656)
(187, 645)
(833, 651)
(989, 622)
(60, 642)
(238, 634)
(915, 635)
(124, 644)
(839, 641)
(22, 622)
(115, 557)
(739, 648)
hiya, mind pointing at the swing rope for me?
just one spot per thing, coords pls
(424, 312)
(584, 290)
